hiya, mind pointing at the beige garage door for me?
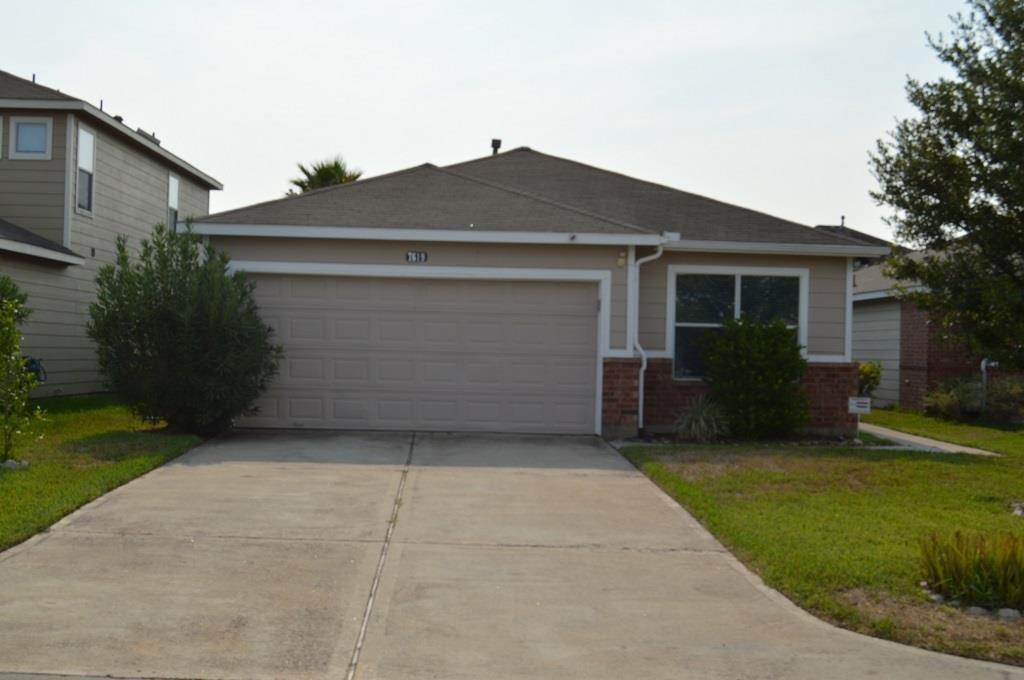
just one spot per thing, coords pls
(375, 353)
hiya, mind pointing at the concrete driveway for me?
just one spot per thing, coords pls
(327, 555)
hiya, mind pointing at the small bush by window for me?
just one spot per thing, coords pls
(754, 371)
(703, 422)
(179, 337)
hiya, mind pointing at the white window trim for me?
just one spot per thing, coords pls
(92, 188)
(803, 274)
(12, 140)
(602, 277)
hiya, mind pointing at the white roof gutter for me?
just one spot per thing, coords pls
(669, 240)
(10, 246)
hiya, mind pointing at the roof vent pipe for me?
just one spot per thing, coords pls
(495, 145)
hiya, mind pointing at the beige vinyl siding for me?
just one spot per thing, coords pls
(826, 333)
(130, 196)
(31, 191)
(446, 254)
(876, 337)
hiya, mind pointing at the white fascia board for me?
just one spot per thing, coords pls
(35, 251)
(443, 235)
(776, 248)
(883, 294)
(121, 128)
(873, 295)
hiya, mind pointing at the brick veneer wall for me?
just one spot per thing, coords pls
(828, 386)
(620, 398)
(927, 358)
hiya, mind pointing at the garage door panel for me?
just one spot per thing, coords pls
(434, 355)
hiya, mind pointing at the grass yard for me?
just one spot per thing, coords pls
(838, 529)
(89, 446)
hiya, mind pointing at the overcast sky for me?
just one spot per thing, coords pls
(770, 105)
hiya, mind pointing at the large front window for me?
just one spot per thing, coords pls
(705, 298)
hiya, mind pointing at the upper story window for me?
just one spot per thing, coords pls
(86, 169)
(705, 297)
(172, 203)
(31, 138)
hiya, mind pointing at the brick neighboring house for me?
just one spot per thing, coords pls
(72, 179)
(915, 357)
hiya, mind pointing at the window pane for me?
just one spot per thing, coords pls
(172, 192)
(704, 298)
(31, 138)
(689, 351)
(766, 298)
(85, 150)
(84, 190)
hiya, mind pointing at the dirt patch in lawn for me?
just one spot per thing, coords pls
(939, 627)
(780, 471)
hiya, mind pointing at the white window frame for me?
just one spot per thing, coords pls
(92, 187)
(12, 140)
(673, 271)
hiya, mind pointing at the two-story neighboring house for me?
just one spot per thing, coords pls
(73, 178)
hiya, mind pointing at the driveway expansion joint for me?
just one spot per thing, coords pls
(568, 546)
(353, 665)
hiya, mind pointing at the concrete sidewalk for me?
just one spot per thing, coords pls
(373, 556)
(914, 441)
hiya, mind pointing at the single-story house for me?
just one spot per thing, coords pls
(914, 354)
(524, 292)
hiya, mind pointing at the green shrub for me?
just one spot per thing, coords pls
(754, 372)
(987, 571)
(703, 422)
(9, 291)
(178, 336)
(16, 382)
(1004, 402)
(869, 377)
(956, 399)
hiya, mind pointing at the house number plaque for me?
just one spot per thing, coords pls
(416, 256)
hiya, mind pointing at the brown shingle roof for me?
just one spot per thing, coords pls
(425, 197)
(654, 207)
(13, 87)
(524, 190)
(12, 232)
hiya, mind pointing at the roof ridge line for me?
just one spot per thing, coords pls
(542, 199)
(333, 187)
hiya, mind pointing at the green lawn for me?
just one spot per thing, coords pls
(838, 529)
(89, 446)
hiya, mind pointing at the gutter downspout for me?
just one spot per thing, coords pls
(636, 340)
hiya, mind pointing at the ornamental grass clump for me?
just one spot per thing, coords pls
(987, 571)
(703, 422)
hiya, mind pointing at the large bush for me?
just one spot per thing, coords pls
(179, 337)
(16, 381)
(754, 372)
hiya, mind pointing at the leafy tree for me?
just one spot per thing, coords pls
(16, 382)
(178, 334)
(753, 371)
(953, 177)
(326, 173)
